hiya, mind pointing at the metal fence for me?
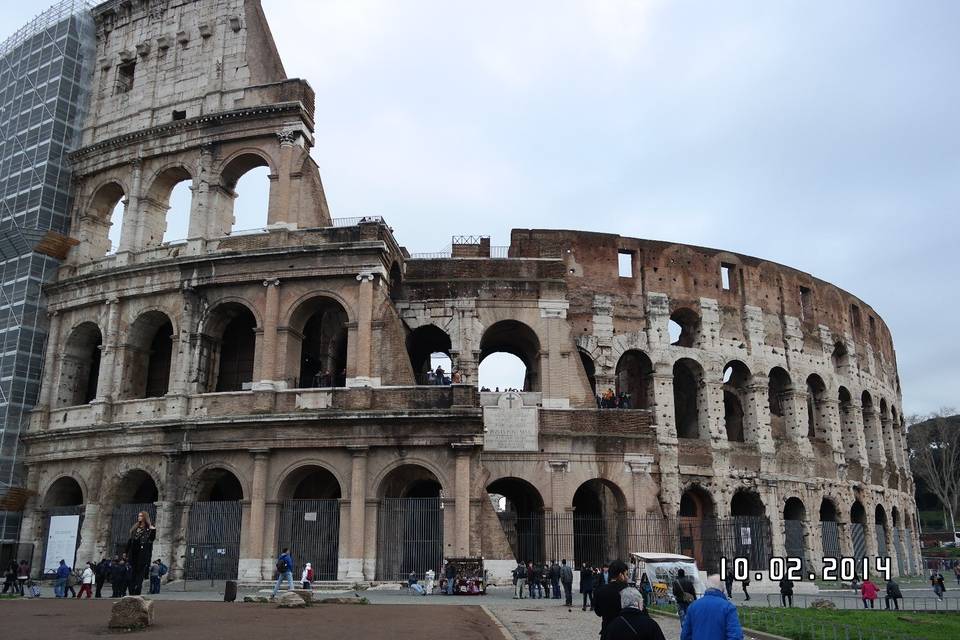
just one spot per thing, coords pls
(352, 222)
(881, 532)
(859, 537)
(213, 541)
(595, 539)
(793, 539)
(122, 519)
(409, 537)
(852, 601)
(311, 529)
(830, 536)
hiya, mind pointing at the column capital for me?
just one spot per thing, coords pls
(260, 454)
(358, 450)
(275, 282)
(463, 448)
(365, 276)
(559, 466)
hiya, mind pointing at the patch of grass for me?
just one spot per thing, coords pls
(807, 624)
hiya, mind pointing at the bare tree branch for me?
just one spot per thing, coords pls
(935, 456)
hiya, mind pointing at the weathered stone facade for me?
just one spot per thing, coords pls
(264, 369)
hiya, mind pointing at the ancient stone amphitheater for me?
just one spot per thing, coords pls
(258, 390)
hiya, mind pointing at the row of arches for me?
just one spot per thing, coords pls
(167, 203)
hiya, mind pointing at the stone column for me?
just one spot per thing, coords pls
(281, 210)
(362, 366)
(873, 438)
(562, 507)
(663, 409)
(463, 453)
(108, 360)
(181, 365)
(51, 376)
(92, 527)
(829, 411)
(855, 421)
(758, 427)
(358, 505)
(130, 232)
(268, 363)
(251, 567)
(168, 515)
(795, 410)
(200, 210)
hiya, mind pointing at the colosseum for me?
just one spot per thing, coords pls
(260, 390)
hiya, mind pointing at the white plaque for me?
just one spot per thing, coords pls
(310, 516)
(61, 542)
(510, 426)
(745, 535)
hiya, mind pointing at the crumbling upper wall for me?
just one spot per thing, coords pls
(163, 60)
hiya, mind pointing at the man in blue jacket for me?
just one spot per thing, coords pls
(284, 571)
(59, 587)
(712, 617)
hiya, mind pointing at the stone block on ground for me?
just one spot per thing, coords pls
(822, 604)
(249, 598)
(345, 600)
(131, 612)
(291, 600)
(306, 594)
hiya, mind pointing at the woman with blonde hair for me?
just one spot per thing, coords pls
(140, 550)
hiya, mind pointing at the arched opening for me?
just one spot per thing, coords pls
(396, 282)
(429, 350)
(736, 375)
(502, 372)
(688, 397)
(794, 528)
(135, 491)
(858, 530)
(829, 529)
(166, 208)
(750, 536)
(880, 523)
(409, 523)
(80, 366)
(589, 369)
(778, 386)
(635, 380)
(148, 356)
(598, 523)
(102, 227)
(64, 508)
(323, 347)
(871, 428)
(310, 520)
(698, 528)
(516, 339)
(228, 342)
(519, 508)
(840, 358)
(213, 529)
(242, 200)
(816, 396)
(684, 327)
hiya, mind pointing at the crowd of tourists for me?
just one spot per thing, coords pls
(609, 399)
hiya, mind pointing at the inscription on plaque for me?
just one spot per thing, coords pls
(510, 426)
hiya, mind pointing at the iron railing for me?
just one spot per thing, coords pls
(121, 520)
(213, 541)
(311, 530)
(409, 537)
(853, 601)
(352, 222)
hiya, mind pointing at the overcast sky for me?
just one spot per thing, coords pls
(823, 135)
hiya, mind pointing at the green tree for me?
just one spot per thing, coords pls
(934, 443)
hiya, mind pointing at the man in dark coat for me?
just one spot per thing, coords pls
(450, 573)
(118, 578)
(728, 582)
(633, 623)
(786, 591)
(566, 577)
(683, 592)
(101, 574)
(555, 579)
(893, 593)
(586, 585)
(606, 598)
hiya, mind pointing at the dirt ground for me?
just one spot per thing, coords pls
(66, 619)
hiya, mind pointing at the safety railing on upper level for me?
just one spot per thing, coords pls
(352, 222)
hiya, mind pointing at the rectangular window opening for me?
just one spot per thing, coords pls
(806, 304)
(726, 271)
(125, 77)
(625, 264)
(179, 115)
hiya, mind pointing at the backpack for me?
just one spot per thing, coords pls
(282, 565)
(163, 569)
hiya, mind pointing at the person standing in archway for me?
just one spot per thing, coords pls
(140, 551)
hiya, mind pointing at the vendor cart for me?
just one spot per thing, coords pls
(471, 578)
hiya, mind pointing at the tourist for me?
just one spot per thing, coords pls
(118, 577)
(605, 575)
(456, 377)
(140, 551)
(10, 578)
(606, 598)
(438, 375)
(306, 578)
(544, 575)
(23, 574)
(429, 577)
(646, 590)
(86, 581)
(683, 592)
(451, 575)
(102, 574)
(157, 571)
(63, 572)
(712, 616)
(868, 592)
(936, 581)
(633, 623)
(744, 584)
(956, 571)
(786, 591)
(728, 583)
(893, 593)
(586, 586)
(566, 577)
(284, 571)
(519, 578)
(533, 580)
(554, 580)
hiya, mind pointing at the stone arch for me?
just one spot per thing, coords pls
(518, 339)
(519, 508)
(690, 399)
(840, 357)
(816, 398)
(422, 343)
(64, 491)
(748, 513)
(156, 206)
(895, 516)
(687, 322)
(317, 341)
(589, 369)
(228, 345)
(310, 517)
(598, 524)
(132, 491)
(794, 509)
(409, 521)
(409, 479)
(697, 526)
(309, 481)
(215, 522)
(229, 173)
(98, 218)
(747, 503)
(778, 385)
(80, 365)
(200, 486)
(794, 527)
(634, 377)
(149, 356)
(736, 378)
(696, 502)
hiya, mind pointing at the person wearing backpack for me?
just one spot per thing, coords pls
(157, 571)
(284, 571)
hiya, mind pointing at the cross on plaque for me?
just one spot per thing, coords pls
(510, 399)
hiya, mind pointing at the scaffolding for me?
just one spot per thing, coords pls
(45, 77)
